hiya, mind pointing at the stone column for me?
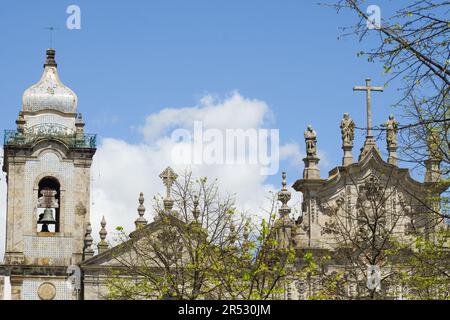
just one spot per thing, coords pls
(16, 288)
(311, 170)
(392, 158)
(348, 157)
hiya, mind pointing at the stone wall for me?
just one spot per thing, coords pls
(46, 288)
(95, 288)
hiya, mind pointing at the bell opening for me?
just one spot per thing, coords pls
(48, 210)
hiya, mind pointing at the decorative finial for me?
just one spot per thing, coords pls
(20, 122)
(79, 125)
(196, 212)
(50, 61)
(196, 225)
(103, 245)
(246, 233)
(284, 181)
(168, 177)
(284, 196)
(79, 118)
(141, 221)
(88, 240)
(284, 224)
(232, 237)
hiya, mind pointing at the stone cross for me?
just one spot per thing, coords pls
(51, 30)
(168, 177)
(368, 89)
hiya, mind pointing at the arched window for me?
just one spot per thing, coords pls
(49, 195)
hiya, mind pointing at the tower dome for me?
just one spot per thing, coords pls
(49, 93)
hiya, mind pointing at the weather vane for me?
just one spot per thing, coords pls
(51, 29)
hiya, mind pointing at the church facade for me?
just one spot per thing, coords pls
(47, 160)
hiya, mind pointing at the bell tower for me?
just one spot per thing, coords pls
(47, 160)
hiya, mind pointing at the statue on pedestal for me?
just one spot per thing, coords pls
(391, 131)
(311, 142)
(347, 130)
(391, 139)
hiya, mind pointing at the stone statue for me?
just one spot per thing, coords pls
(433, 143)
(347, 130)
(311, 142)
(391, 131)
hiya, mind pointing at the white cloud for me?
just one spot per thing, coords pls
(291, 151)
(235, 112)
(122, 170)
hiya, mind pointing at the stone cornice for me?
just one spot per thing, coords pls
(32, 270)
(47, 111)
(371, 160)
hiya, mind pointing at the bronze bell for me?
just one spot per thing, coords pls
(47, 217)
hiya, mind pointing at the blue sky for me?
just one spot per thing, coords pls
(133, 58)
